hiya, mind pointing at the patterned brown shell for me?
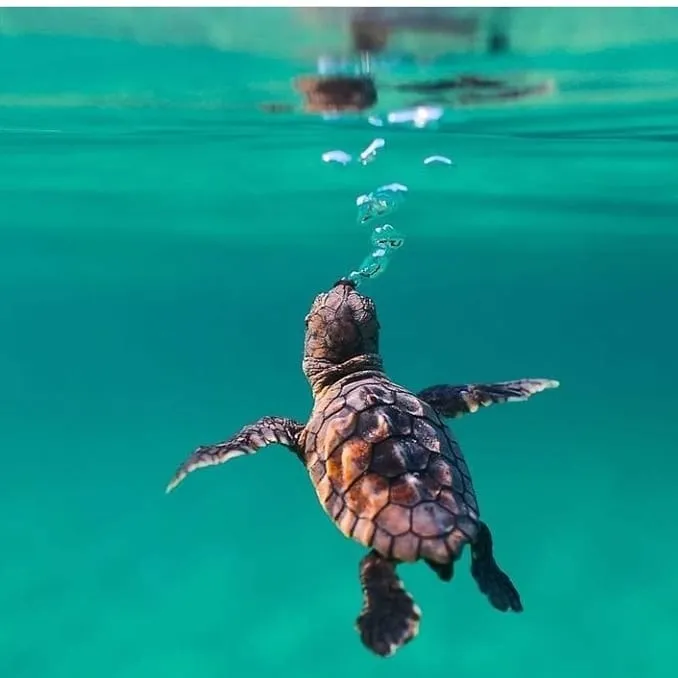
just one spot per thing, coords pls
(388, 471)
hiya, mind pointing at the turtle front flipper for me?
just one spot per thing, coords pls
(389, 618)
(491, 580)
(455, 401)
(248, 440)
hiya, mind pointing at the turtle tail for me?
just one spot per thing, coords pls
(389, 618)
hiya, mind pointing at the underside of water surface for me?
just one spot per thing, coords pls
(166, 220)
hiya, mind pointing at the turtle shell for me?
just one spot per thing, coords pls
(389, 472)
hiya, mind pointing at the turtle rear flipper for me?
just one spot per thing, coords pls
(445, 571)
(491, 579)
(389, 618)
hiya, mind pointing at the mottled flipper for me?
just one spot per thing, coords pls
(445, 571)
(389, 618)
(248, 440)
(491, 580)
(455, 401)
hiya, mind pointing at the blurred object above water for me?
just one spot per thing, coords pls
(334, 62)
(338, 93)
(346, 80)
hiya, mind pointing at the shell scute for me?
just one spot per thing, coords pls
(368, 495)
(417, 408)
(430, 486)
(334, 505)
(394, 519)
(356, 455)
(374, 426)
(363, 531)
(401, 422)
(439, 470)
(430, 520)
(417, 456)
(347, 521)
(335, 405)
(308, 443)
(382, 542)
(468, 526)
(389, 458)
(350, 386)
(470, 501)
(407, 491)
(368, 396)
(427, 435)
(447, 501)
(335, 431)
(324, 489)
(406, 547)
(317, 469)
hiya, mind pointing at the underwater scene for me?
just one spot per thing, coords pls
(499, 187)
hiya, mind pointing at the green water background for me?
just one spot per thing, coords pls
(156, 263)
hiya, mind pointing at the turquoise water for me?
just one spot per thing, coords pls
(160, 243)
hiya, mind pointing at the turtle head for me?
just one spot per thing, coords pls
(342, 330)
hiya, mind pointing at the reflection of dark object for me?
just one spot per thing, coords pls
(498, 43)
(508, 92)
(337, 93)
(371, 28)
(369, 36)
(276, 107)
(410, 19)
(499, 32)
(328, 94)
(452, 83)
(471, 89)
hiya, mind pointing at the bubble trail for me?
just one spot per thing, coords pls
(381, 202)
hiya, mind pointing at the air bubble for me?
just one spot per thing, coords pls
(370, 153)
(419, 116)
(380, 203)
(375, 121)
(437, 159)
(394, 187)
(372, 266)
(337, 156)
(387, 237)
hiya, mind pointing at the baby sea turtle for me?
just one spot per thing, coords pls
(384, 466)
